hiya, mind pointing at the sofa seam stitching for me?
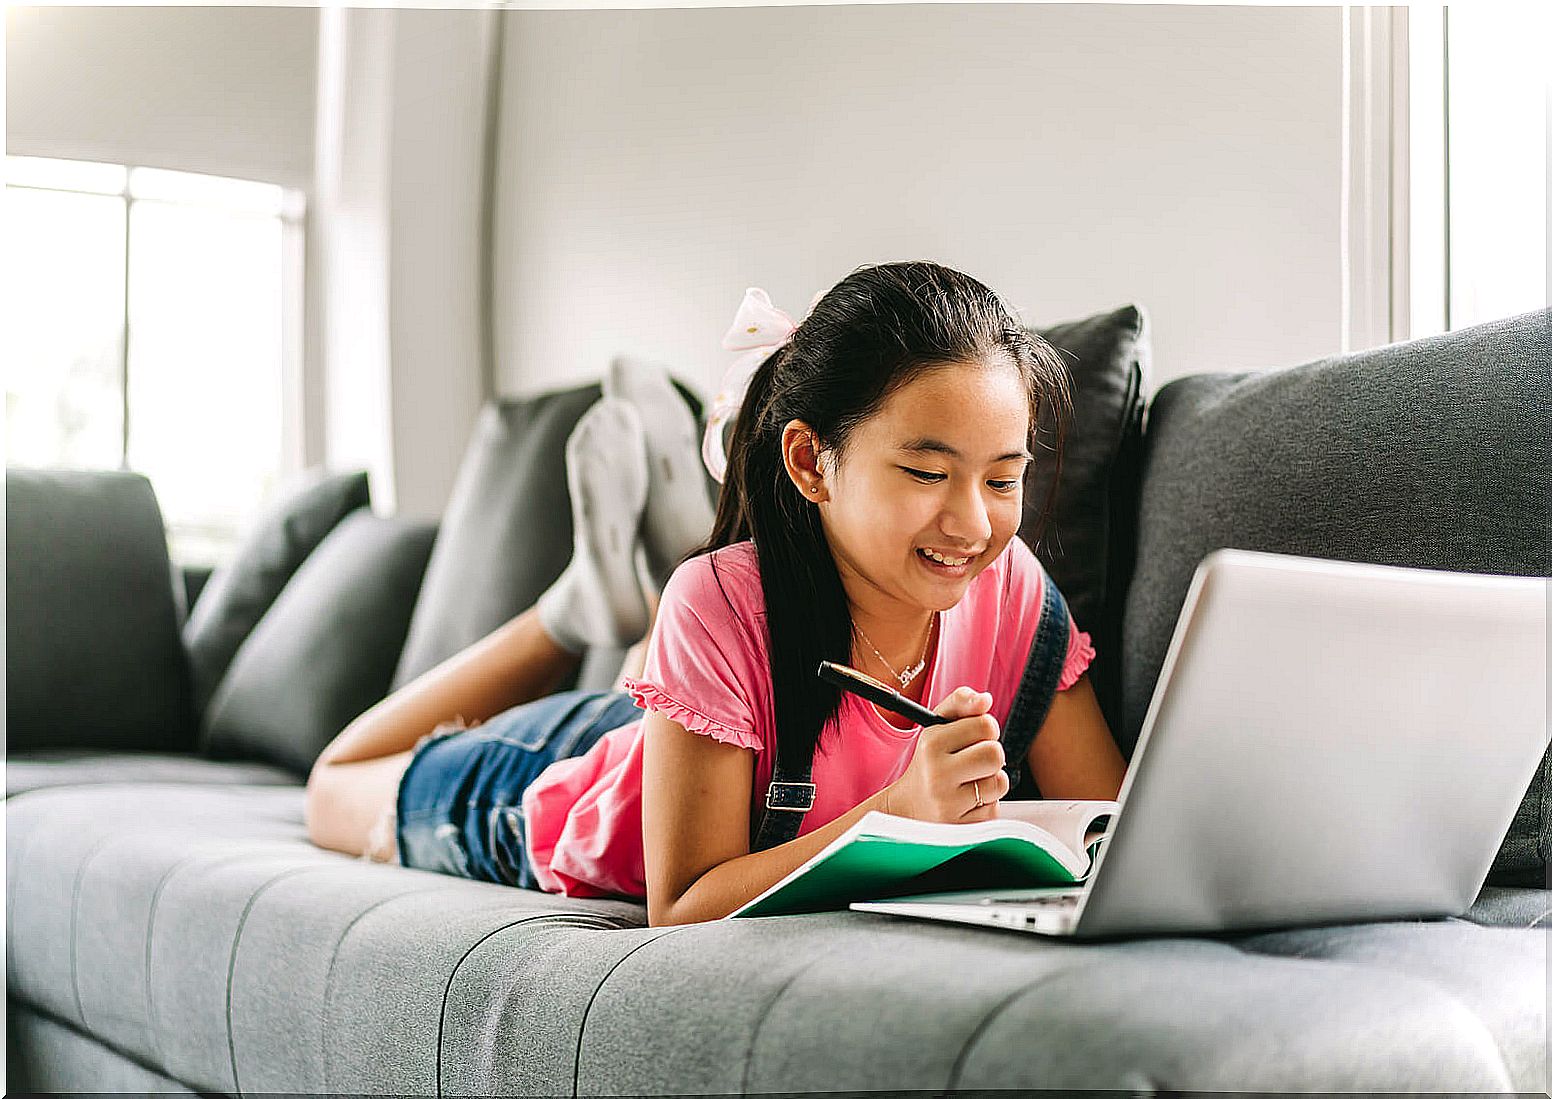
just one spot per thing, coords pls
(576, 1064)
(991, 1016)
(75, 901)
(447, 986)
(754, 1033)
(231, 964)
(328, 977)
(156, 899)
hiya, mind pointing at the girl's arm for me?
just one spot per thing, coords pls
(1073, 755)
(695, 816)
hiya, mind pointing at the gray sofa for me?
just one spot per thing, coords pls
(171, 929)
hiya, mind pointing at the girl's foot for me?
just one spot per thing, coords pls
(598, 600)
(678, 515)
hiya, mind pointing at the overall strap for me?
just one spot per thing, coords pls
(791, 794)
(1047, 654)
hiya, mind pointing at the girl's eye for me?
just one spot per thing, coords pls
(934, 478)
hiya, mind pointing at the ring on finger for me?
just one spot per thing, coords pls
(977, 786)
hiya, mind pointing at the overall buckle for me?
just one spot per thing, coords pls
(795, 796)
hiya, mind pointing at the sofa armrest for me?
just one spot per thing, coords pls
(93, 654)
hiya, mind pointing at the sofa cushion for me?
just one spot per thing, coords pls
(92, 655)
(1088, 542)
(325, 650)
(506, 531)
(1429, 454)
(238, 592)
(198, 931)
(41, 768)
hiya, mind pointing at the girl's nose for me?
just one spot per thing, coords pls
(965, 517)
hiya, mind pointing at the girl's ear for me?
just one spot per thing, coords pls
(800, 454)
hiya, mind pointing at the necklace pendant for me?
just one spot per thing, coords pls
(911, 673)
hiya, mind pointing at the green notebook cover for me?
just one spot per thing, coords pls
(873, 860)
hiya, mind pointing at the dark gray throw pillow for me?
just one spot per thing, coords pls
(1427, 454)
(1087, 546)
(325, 651)
(239, 592)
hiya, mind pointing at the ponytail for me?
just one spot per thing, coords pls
(805, 602)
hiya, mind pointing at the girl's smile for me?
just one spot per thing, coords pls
(926, 494)
(942, 564)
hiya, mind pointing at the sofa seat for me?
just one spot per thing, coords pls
(194, 931)
(36, 768)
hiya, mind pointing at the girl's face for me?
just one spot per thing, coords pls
(940, 467)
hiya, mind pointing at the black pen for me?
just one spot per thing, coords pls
(850, 679)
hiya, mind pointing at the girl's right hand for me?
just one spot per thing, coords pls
(937, 785)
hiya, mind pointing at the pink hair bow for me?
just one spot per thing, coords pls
(758, 330)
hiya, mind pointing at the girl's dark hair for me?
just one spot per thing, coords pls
(873, 332)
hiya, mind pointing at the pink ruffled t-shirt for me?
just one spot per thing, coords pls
(707, 668)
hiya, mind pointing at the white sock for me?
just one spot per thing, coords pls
(679, 513)
(598, 600)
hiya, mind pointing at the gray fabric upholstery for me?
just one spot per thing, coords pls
(79, 542)
(325, 650)
(1431, 454)
(506, 532)
(38, 768)
(238, 593)
(1087, 544)
(46, 1056)
(198, 933)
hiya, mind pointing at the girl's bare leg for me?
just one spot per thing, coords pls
(355, 780)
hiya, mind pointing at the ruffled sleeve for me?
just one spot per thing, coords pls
(649, 696)
(704, 666)
(1080, 654)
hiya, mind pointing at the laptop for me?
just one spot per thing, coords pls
(1328, 742)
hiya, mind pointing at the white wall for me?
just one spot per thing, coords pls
(397, 224)
(654, 163)
(223, 90)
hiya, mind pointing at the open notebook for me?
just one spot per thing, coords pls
(1032, 843)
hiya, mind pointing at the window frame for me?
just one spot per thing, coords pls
(292, 214)
(1396, 202)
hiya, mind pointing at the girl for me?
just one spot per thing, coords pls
(871, 497)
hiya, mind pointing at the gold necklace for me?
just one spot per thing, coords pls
(911, 673)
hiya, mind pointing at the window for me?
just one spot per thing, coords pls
(1478, 163)
(152, 320)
